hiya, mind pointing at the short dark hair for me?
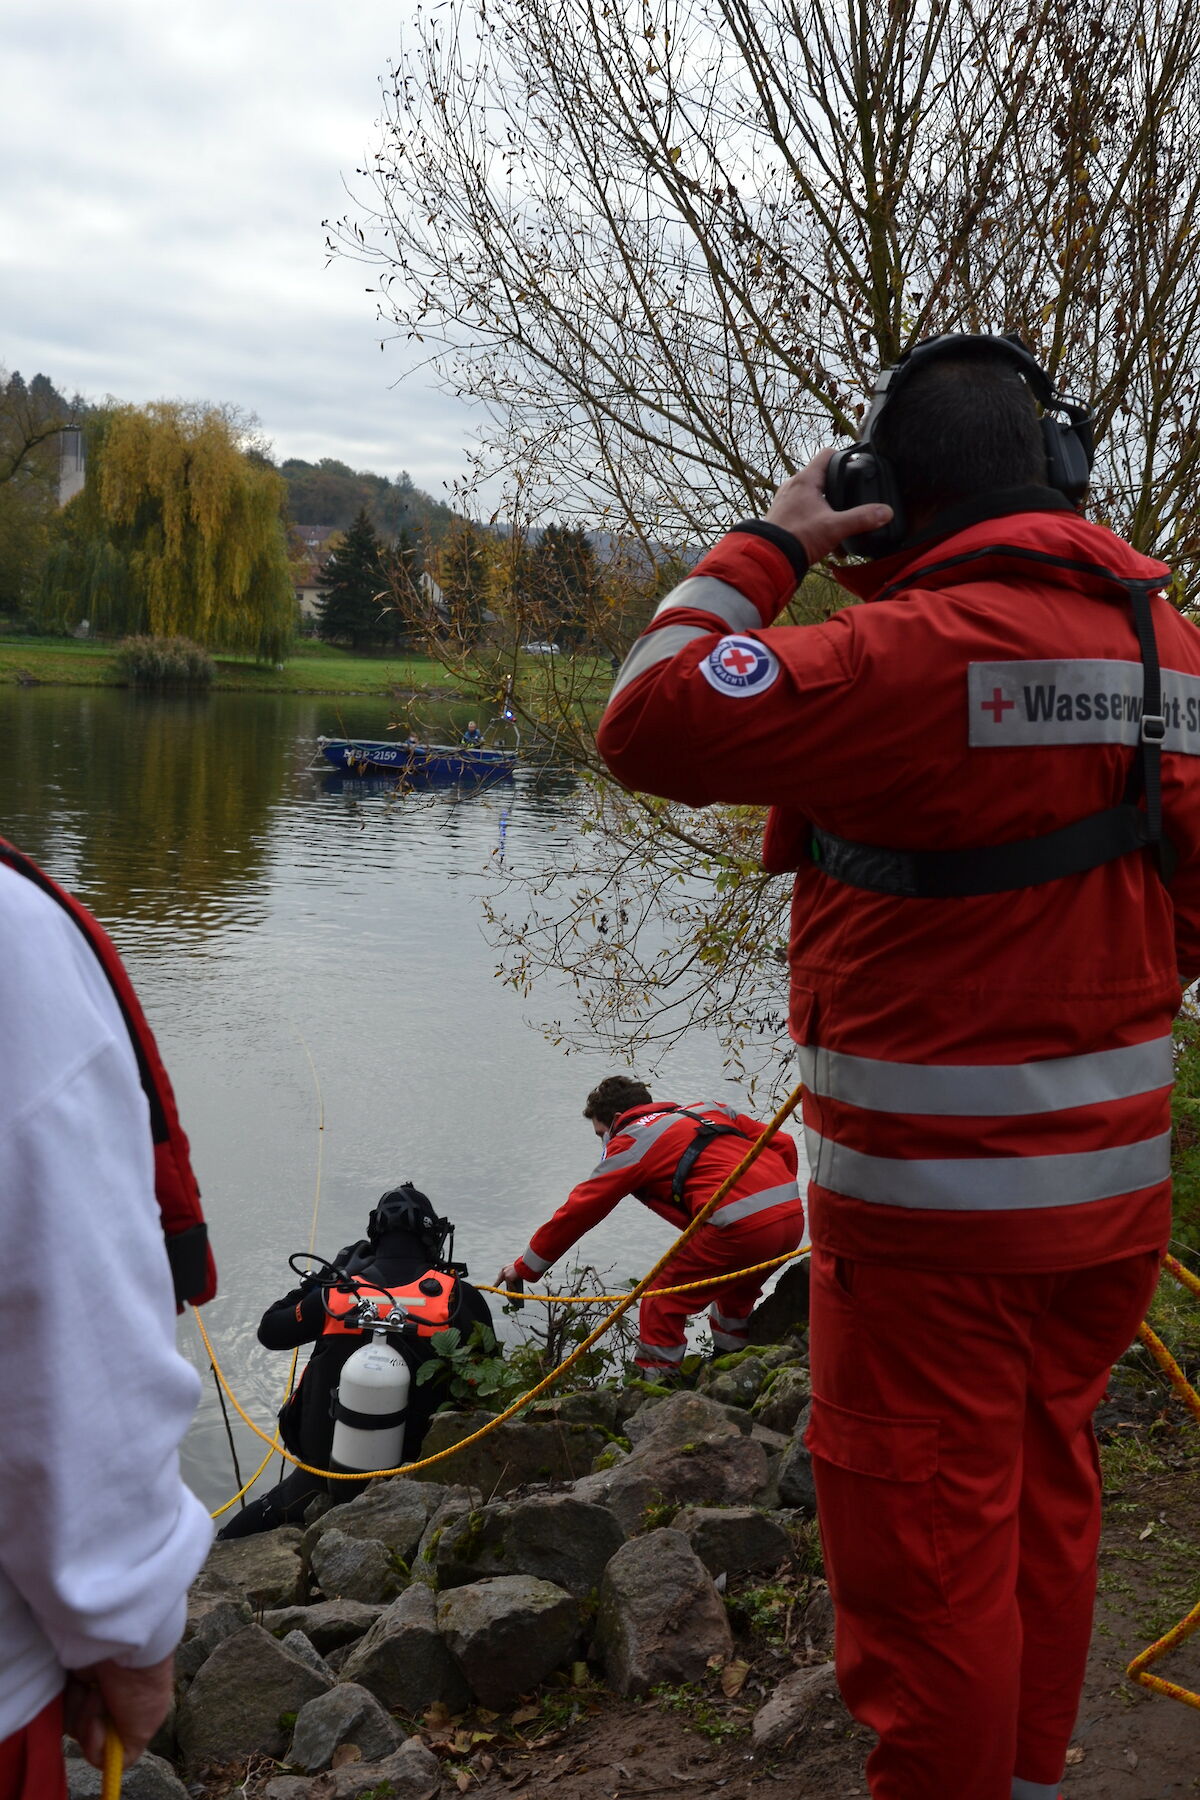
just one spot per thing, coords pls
(615, 1095)
(963, 426)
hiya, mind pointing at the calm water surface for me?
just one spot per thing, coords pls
(270, 914)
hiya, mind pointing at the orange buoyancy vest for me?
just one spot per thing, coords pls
(192, 1268)
(428, 1304)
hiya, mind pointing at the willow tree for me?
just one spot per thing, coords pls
(668, 243)
(178, 532)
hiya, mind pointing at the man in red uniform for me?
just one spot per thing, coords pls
(973, 777)
(673, 1158)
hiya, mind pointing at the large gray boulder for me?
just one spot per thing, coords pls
(516, 1454)
(393, 1512)
(305, 1651)
(738, 1384)
(733, 1539)
(207, 1626)
(783, 1402)
(347, 1714)
(236, 1704)
(660, 1619)
(508, 1634)
(410, 1773)
(590, 1406)
(354, 1568)
(557, 1537)
(784, 1312)
(264, 1570)
(719, 1471)
(149, 1779)
(794, 1476)
(328, 1624)
(456, 1503)
(404, 1661)
(682, 1418)
(801, 1698)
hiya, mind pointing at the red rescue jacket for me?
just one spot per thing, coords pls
(988, 1078)
(192, 1268)
(642, 1156)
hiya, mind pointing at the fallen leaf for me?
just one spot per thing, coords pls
(1075, 1755)
(462, 1780)
(733, 1677)
(345, 1753)
(1147, 1531)
(1131, 1757)
(524, 1715)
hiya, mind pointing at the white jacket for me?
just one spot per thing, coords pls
(99, 1538)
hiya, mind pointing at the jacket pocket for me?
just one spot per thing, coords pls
(876, 1482)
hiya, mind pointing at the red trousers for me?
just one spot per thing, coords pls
(959, 1495)
(31, 1760)
(662, 1318)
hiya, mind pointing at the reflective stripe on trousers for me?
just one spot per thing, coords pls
(1034, 1790)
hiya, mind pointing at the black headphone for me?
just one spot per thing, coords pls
(862, 475)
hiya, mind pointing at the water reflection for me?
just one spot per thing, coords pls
(311, 956)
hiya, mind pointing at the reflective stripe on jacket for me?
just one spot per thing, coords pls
(988, 1077)
(641, 1157)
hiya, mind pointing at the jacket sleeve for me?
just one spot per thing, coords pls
(585, 1206)
(299, 1318)
(707, 694)
(99, 1538)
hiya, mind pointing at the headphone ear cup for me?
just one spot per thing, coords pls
(1068, 459)
(859, 476)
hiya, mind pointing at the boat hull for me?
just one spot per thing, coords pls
(420, 762)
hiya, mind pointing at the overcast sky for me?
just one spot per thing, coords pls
(165, 172)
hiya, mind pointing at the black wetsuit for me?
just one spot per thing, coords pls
(306, 1422)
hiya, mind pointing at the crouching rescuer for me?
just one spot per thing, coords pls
(371, 1314)
(673, 1158)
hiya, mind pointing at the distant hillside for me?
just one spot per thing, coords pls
(330, 493)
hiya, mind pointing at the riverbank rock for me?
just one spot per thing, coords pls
(733, 1539)
(410, 1773)
(235, 1705)
(327, 1624)
(149, 1779)
(394, 1513)
(794, 1477)
(723, 1468)
(784, 1312)
(264, 1570)
(782, 1403)
(794, 1705)
(660, 1618)
(404, 1661)
(347, 1714)
(508, 1634)
(680, 1418)
(557, 1537)
(354, 1568)
(516, 1454)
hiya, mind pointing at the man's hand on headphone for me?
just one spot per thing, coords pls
(800, 507)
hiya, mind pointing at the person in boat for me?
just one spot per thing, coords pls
(672, 1158)
(412, 741)
(472, 735)
(404, 1247)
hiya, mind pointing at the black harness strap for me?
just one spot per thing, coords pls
(708, 1129)
(1073, 849)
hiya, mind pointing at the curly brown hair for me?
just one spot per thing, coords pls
(615, 1095)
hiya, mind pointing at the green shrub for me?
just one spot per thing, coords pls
(164, 662)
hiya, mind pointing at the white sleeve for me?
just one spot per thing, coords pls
(98, 1535)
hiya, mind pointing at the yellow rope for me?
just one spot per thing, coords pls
(735, 1174)
(114, 1760)
(705, 1281)
(1138, 1669)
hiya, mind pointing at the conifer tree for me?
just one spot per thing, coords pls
(465, 567)
(355, 606)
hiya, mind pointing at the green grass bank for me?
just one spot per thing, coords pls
(311, 669)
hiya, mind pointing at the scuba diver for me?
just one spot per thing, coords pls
(401, 1264)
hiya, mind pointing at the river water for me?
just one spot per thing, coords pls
(309, 947)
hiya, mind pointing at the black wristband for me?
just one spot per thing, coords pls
(782, 539)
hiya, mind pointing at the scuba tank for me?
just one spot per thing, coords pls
(369, 1407)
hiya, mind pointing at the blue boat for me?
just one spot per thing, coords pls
(416, 763)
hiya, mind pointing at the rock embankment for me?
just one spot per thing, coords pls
(601, 1530)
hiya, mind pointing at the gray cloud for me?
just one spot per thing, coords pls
(160, 224)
